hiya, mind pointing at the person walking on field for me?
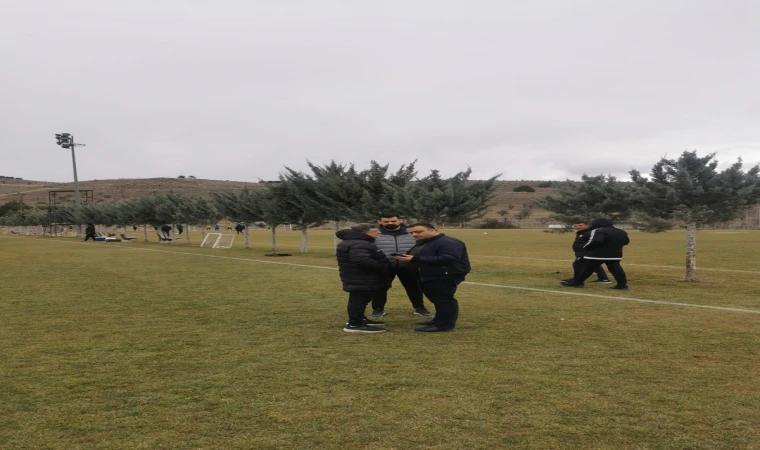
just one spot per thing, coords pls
(582, 233)
(89, 232)
(363, 270)
(604, 246)
(394, 238)
(443, 264)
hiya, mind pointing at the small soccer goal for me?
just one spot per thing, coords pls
(218, 240)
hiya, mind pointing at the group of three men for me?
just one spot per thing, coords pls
(426, 262)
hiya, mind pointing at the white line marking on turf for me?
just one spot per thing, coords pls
(641, 300)
(624, 262)
(501, 286)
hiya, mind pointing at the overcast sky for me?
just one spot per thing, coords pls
(237, 89)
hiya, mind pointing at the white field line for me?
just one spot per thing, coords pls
(624, 263)
(570, 260)
(501, 286)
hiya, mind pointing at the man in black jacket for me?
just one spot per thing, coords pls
(394, 238)
(443, 263)
(582, 233)
(363, 270)
(604, 246)
(89, 232)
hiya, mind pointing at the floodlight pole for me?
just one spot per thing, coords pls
(66, 140)
(77, 199)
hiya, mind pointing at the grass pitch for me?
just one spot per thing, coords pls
(145, 346)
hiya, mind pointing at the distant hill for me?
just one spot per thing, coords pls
(35, 193)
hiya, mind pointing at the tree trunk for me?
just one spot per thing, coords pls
(247, 239)
(304, 248)
(274, 238)
(187, 233)
(145, 232)
(691, 251)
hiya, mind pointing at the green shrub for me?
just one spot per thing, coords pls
(524, 188)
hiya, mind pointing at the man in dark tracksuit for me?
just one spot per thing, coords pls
(89, 232)
(582, 233)
(604, 246)
(394, 238)
(363, 270)
(443, 264)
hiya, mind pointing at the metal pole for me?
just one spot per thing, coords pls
(77, 200)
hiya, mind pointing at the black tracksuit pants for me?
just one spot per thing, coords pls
(612, 265)
(357, 304)
(411, 282)
(441, 295)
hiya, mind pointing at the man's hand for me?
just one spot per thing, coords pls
(405, 258)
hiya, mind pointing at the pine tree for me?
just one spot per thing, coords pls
(454, 200)
(591, 198)
(240, 206)
(143, 211)
(298, 202)
(692, 191)
(341, 188)
(382, 192)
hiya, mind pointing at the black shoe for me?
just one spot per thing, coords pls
(601, 281)
(427, 323)
(423, 312)
(571, 283)
(434, 329)
(362, 329)
(373, 323)
(378, 313)
(619, 288)
(570, 280)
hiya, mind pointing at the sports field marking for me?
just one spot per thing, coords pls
(624, 262)
(500, 286)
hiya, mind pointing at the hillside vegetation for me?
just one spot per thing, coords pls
(35, 193)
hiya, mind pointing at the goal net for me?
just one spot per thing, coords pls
(218, 240)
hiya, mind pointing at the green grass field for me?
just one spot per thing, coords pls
(148, 346)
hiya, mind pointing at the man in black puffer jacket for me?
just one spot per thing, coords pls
(364, 272)
(604, 246)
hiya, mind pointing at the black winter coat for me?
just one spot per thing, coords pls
(581, 238)
(441, 257)
(362, 266)
(605, 241)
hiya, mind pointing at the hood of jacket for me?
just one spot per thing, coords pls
(349, 234)
(600, 223)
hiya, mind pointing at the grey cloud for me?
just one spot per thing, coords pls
(236, 90)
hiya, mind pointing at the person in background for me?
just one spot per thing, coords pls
(89, 232)
(582, 233)
(604, 246)
(394, 238)
(363, 270)
(179, 228)
(239, 228)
